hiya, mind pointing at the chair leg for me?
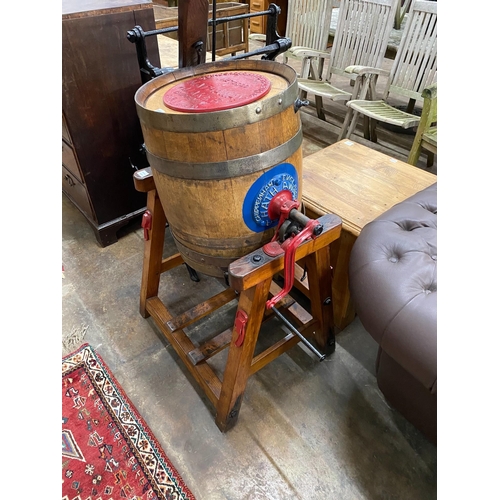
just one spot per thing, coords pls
(411, 106)
(319, 108)
(352, 126)
(343, 130)
(363, 87)
(416, 147)
(349, 119)
(373, 130)
(414, 152)
(430, 159)
(366, 127)
(307, 70)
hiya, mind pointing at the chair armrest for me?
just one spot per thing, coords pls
(430, 92)
(366, 80)
(300, 51)
(366, 70)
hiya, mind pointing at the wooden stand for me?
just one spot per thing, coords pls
(251, 282)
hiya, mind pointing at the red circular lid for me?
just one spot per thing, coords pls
(216, 92)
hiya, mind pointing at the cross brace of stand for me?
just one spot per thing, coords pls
(251, 283)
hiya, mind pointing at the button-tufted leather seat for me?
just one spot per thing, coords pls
(393, 281)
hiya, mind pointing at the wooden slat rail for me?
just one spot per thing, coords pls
(251, 282)
(211, 347)
(202, 373)
(201, 310)
(222, 340)
(171, 262)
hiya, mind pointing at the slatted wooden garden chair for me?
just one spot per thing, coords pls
(361, 38)
(307, 26)
(426, 135)
(414, 68)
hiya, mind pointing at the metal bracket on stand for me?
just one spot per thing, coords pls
(138, 36)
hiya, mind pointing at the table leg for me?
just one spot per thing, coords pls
(344, 312)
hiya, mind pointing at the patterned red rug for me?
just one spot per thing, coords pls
(108, 451)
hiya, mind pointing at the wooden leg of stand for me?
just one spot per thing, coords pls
(153, 251)
(253, 303)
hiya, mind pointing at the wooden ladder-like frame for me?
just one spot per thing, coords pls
(251, 282)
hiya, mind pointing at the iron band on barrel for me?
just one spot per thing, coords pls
(229, 168)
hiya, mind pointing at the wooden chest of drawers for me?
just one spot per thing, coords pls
(258, 24)
(101, 135)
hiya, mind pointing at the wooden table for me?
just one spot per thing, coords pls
(358, 184)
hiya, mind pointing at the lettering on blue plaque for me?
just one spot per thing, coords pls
(256, 204)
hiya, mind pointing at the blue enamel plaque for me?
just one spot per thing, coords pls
(256, 203)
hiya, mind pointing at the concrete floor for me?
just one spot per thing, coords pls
(306, 430)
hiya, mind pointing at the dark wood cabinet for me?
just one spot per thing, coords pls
(101, 134)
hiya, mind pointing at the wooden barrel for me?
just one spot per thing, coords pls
(216, 171)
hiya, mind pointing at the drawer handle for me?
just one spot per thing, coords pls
(70, 181)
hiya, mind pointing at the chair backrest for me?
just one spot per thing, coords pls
(308, 23)
(362, 34)
(415, 65)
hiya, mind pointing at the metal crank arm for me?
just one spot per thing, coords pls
(291, 245)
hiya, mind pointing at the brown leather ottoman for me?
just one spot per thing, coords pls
(393, 282)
